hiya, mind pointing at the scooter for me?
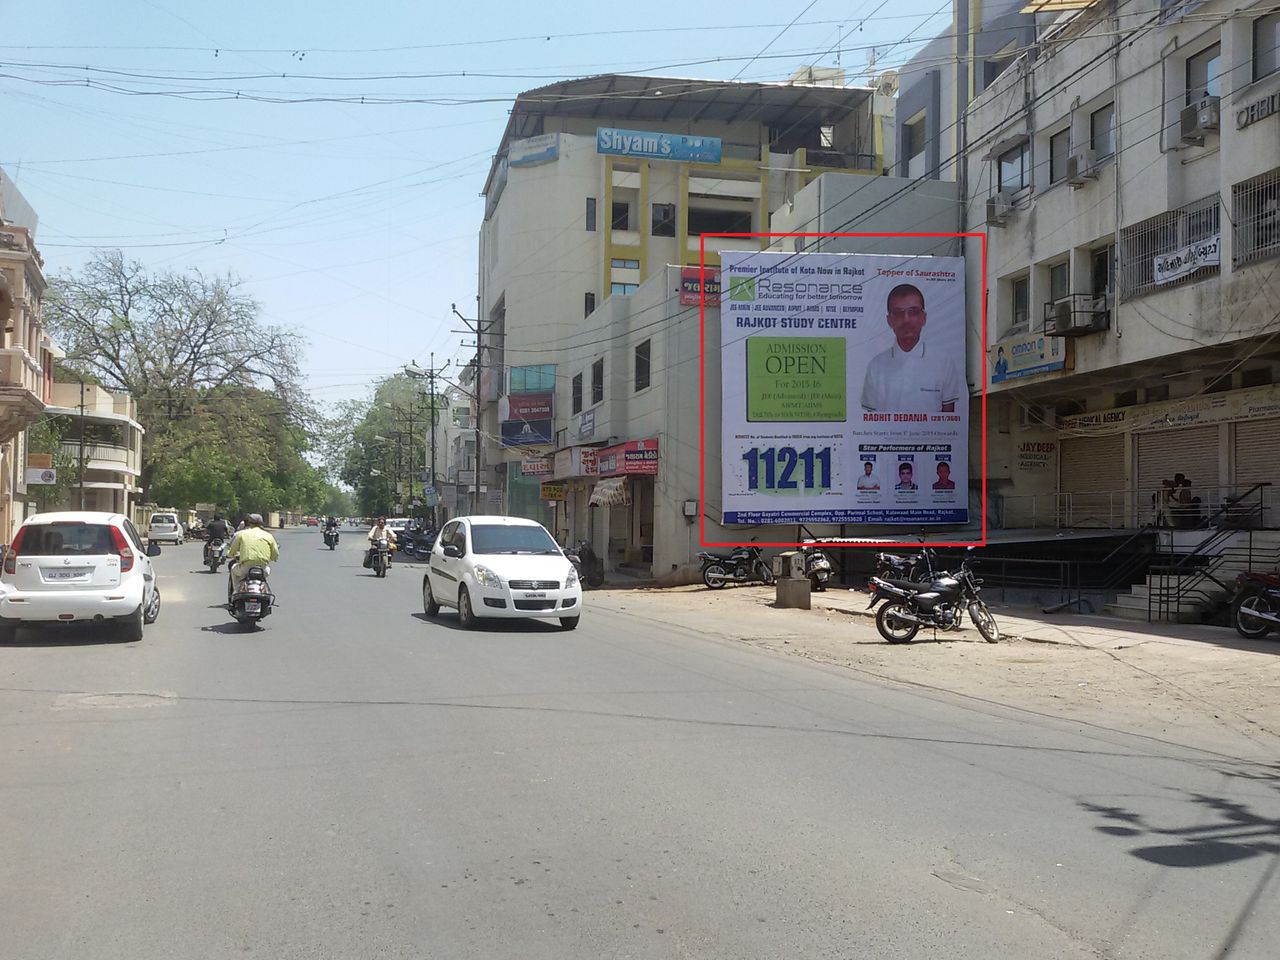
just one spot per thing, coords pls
(816, 567)
(590, 566)
(939, 604)
(743, 565)
(254, 600)
(1255, 608)
(215, 554)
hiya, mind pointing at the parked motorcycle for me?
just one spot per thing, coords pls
(918, 567)
(816, 567)
(940, 604)
(254, 600)
(1255, 608)
(380, 557)
(590, 566)
(743, 565)
(215, 554)
(417, 544)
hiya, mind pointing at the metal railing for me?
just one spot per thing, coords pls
(1162, 234)
(1127, 509)
(1255, 208)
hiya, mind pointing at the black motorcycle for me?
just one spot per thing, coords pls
(253, 600)
(417, 544)
(940, 604)
(1255, 608)
(331, 537)
(215, 554)
(588, 563)
(917, 567)
(743, 565)
(380, 557)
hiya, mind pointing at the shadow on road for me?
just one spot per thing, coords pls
(65, 635)
(449, 620)
(232, 627)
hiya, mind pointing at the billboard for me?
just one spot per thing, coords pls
(533, 151)
(1026, 356)
(844, 395)
(527, 411)
(656, 145)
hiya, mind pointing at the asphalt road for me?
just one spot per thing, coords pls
(356, 781)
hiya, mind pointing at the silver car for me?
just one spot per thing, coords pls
(164, 527)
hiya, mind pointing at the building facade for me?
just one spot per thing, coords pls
(104, 432)
(1126, 171)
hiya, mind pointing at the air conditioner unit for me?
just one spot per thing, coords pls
(1199, 119)
(1032, 416)
(1077, 316)
(1060, 318)
(1081, 167)
(999, 207)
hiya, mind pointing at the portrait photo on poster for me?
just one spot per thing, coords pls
(844, 397)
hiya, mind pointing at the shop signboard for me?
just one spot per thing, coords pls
(41, 476)
(841, 404)
(43, 461)
(527, 409)
(694, 281)
(574, 462)
(1026, 356)
(528, 406)
(536, 467)
(633, 458)
(1169, 267)
(587, 425)
(551, 491)
(1256, 404)
(533, 151)
(656, 145)
(526, 433)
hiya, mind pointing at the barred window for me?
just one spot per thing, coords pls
(1255, 211)
(1163, 235)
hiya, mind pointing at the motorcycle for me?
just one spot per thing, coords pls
(590, 566)
(917, 567)
(940, 604)
(331, 537)
(380, 557)
(743, 565)
(417, 544)
(254, 600)
(215, 554)
(1255, 608)
(816, 567)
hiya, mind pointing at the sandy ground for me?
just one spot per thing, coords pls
(1203, 687)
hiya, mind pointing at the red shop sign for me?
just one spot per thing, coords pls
(635, 457)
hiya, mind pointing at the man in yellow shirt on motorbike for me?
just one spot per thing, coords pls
(251, 547)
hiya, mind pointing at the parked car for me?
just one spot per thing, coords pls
(79, 565)
(164, 527)
(500, 567)
(312, 521)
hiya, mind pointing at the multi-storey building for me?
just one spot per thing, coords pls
(1126, 170)
(598, 186)
(105, 433)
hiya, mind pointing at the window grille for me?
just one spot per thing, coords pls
(1255, 211)
(1163, 234)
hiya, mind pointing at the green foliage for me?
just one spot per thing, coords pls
(45, 436)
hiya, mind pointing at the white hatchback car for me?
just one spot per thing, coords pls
(500, 567)
(78, 565)
(164, 526)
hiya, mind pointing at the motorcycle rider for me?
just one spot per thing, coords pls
(379, 531)
(216, 530)
(331, 525)
(251, 547)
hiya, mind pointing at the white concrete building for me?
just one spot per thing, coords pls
(1126, 171)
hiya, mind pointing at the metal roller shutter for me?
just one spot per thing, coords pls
(1093, 482)
(1192, 451)
(1256, 457)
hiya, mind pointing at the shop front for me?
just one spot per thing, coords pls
(573, 469)
(624, 494)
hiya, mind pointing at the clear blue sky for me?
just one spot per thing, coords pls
(354, 223)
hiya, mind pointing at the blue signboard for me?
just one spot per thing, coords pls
(526, 433)
(1027, 356)
(657, 146)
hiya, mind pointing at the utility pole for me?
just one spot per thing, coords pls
(431, 386)
(481, 329)
(82, 442)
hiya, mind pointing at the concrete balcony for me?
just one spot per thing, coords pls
(103, 456)
(21, 391)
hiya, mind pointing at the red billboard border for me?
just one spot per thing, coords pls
(702, 396)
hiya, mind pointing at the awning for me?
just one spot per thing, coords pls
(611, 492)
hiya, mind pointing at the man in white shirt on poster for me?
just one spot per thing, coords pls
(868, 480)
(908, 378)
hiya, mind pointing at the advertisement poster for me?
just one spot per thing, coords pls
(526, 411)
(1027, 356)
(694, 281)
(844, 395)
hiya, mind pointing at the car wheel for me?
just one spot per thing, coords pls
(131, 626)
(466, 616)
(429, 605)
(153, 608)
(569, 623)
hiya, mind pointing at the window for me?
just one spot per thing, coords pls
(625, 264)
(495, 538)
(664, 220)
(1266, 42)
(992, 69)
(1102, 270)
(597, 381)
(591, 213)
(1021, 289)
(1156, 394)
(588, 304)
(1204, 74)
(914, 138)
(1258, 377)
(577, 393)
(642, 365)
(1014, 168)
(623, 288)
(1102, 130)
(1256, 218)
(621, 215)
(718, 221)
(1059, 281)
(1059, 150)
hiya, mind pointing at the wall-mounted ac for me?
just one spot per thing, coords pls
(999, 208)
(1082, 167)
(1200, 118)
(1077, 315)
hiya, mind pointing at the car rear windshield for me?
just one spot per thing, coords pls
(163, 518)
(501, 538)
(66, 540)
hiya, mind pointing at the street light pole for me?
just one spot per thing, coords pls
(431, 386)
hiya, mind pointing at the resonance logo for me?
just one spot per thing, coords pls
(742, 289)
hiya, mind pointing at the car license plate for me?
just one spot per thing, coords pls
(253, 606)
(534, 594)
(69, 573)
